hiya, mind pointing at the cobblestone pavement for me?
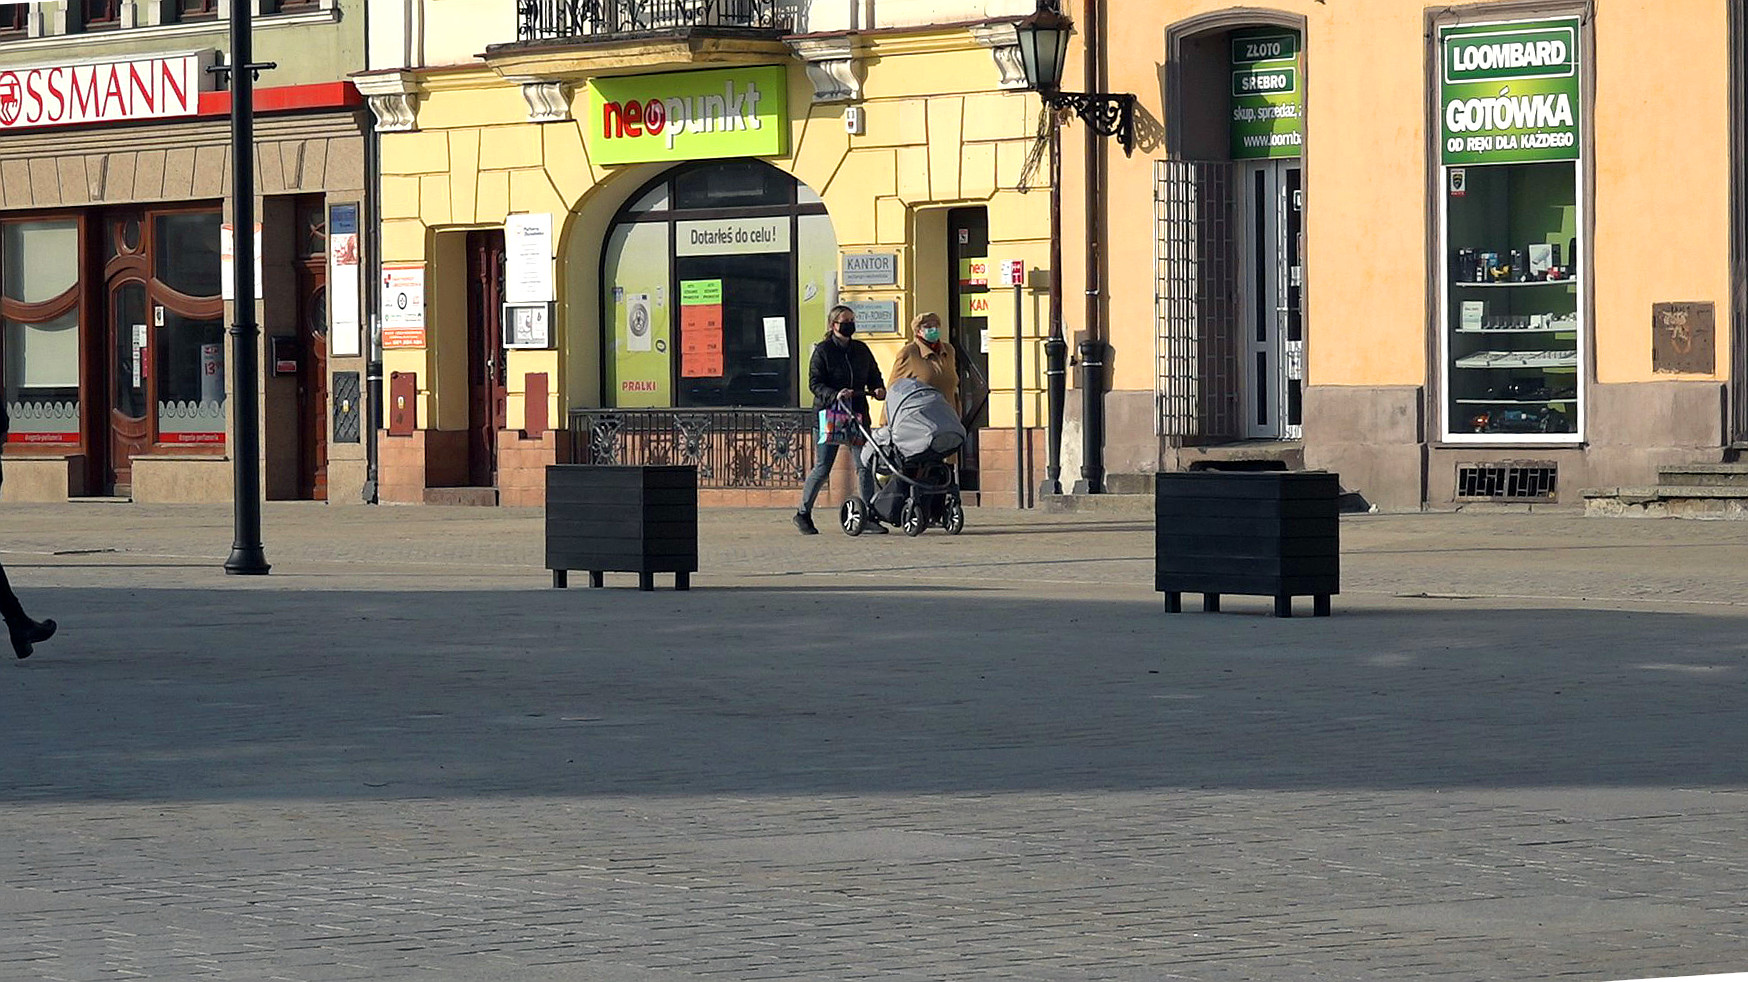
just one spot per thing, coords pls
(1515, 752)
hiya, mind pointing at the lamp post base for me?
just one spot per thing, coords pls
(247, 561)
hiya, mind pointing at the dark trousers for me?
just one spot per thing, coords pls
(10, 609)
(822, 468)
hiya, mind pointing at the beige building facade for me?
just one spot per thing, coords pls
(1456, 252)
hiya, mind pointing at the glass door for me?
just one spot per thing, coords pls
(1271, 275)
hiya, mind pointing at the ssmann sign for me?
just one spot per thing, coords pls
(1509, 93)
(738, 112)
(101, 92)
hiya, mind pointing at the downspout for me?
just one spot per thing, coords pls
(372, 303)
(1092, 348)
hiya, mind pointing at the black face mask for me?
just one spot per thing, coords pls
(846, 328)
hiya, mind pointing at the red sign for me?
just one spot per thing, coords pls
(100, 92)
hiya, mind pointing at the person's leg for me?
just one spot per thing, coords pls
(827, 454)
(864, 477)
(10, 609)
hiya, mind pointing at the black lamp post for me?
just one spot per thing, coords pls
(247, 557)
(1043, 42)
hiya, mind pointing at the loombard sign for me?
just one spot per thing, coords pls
(101, 92)
(1509, 93)
(677, 116)
(1268, 101)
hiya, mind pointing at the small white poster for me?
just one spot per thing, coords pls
(228, 261)
(776, 337)
(528, 259)
(212, 373)
(344, 317)
(637, 326)
(139, 360)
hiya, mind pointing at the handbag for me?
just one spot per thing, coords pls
(838, 425)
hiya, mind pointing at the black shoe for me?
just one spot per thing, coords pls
(31, 633)
(873, 527)
(804, 522)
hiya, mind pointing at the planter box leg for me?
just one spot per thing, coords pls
(560, 578)
(683, 581)
(646, 582)
(1321, 608)
(1283, 606)
(1210, 603)
(1174, 603)
(597, 578)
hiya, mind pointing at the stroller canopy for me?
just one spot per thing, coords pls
(919, 420)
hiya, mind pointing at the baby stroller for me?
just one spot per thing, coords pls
(921, 487)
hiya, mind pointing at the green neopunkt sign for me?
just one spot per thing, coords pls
(677, 116)
(1509, 93)
(1268, 102)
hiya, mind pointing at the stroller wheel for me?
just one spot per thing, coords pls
(953, 515)
(853, 516)
(912, 518)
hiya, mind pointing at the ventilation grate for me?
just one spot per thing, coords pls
(1521, 480)
(346, 407)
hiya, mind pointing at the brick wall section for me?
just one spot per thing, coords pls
(522, 463)
(400, 468)
(995, 449)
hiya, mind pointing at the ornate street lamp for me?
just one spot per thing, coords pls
(1043, 40)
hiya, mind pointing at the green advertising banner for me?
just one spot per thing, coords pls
(1268, 101)
(1508, 93)
(679, 116)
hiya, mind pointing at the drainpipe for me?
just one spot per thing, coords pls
(1092, 349)
(372, 301)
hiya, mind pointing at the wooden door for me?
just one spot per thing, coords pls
(312, 337)
(487, 395)
(127, 344)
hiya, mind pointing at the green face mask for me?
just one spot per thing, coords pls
(931, 334)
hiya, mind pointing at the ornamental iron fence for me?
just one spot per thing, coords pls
(539, 20)
(732, 448)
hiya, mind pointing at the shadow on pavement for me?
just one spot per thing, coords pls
(194, 695)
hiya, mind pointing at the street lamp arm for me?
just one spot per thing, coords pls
(1106, 115)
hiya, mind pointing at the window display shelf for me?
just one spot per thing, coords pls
(1568, 329)
(1520, 359)
(1516, 402)
(1511, 283)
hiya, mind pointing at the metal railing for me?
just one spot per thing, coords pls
(732, 448)
(549, 19)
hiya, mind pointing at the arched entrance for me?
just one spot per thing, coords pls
(1231, 201)
(714, 280)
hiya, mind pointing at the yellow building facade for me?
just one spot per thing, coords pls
(605, 251)
(1493, 251)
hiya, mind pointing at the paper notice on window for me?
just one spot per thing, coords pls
(776, 337)
(1474, 314)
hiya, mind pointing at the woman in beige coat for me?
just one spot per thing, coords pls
(929, 359)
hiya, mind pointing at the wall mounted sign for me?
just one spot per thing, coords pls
(875, 316)
(870, 269)
(1267, 95)
(677, 116)
(403, 305)
(1684, 338)
(1509, 93)
(72, 93)
(527, 325)
(528, 259)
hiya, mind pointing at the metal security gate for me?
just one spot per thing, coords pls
(1196, 378)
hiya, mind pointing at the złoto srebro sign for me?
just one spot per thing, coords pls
(678, 116)
(1268, 101)
(1509, 93)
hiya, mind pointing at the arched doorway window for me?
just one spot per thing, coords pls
(714, 280)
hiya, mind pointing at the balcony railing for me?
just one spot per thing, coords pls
(732, 448)
(547, 19)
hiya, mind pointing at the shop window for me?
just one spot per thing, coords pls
(186, 248)
(190, 380)
(39, 276)
(197, 9)
(1513, 314)
(716, 280)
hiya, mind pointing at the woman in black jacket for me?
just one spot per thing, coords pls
(841, 368)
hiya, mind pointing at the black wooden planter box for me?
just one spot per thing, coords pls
(641, 520)
(1274, 534)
